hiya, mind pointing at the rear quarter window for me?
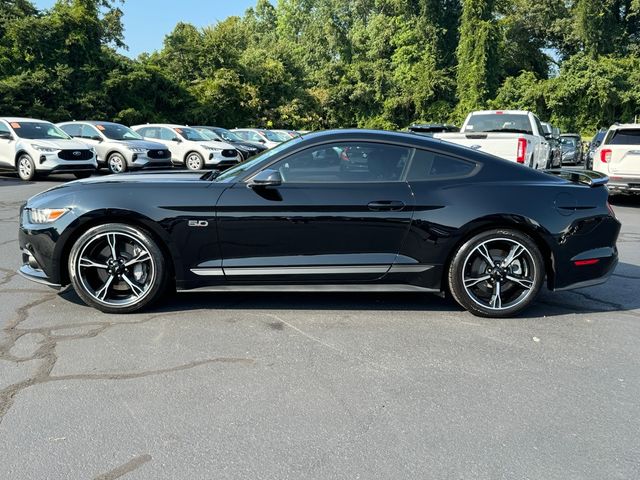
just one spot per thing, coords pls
(427, 165)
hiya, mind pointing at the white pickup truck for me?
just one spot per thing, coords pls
(514, 135)
(618, 156)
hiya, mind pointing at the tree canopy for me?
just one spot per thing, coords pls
(318, 64)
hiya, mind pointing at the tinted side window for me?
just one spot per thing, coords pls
(72, 130)
(432, 166)
(4, 128)
(346, 162)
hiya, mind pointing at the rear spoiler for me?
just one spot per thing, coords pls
(583, 177)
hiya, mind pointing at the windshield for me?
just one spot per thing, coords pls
(190, 134)
(272, 136)
(498, 122)
(227, 135)
(38, 131)
(114, 131)
(231, 174)
(282, 136)
(208, 134)
(569, 141)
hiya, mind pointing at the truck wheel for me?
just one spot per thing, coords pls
(26, 168)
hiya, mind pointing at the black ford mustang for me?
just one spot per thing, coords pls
(341, 211)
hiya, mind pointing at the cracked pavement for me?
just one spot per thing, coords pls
(318, 385)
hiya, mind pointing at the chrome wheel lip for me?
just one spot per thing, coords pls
(132, 299)
(24, 167)
(194, 162)
(501, 277)
(116, 163)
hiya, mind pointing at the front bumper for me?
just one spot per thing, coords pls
(31, 270)
(49, 162)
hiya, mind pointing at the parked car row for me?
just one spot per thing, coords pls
(33, 147)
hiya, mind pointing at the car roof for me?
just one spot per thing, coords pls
(619, 126)
(23, 119)
(90, 122)
(507, 112)
(167, 125)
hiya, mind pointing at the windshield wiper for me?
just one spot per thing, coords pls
(211, 175)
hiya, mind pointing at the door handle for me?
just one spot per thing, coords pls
(386, 205)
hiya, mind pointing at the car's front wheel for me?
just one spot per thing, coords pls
(26, 167)
(117, 268)
(497, 273)
(116, 163)
(194, 161)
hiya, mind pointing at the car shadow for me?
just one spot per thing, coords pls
(618, 294)
(625, 200)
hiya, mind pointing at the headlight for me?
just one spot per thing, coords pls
(212, 149)
(46, 215)
(42, 148)
(137, 149)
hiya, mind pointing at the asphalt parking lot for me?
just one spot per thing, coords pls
(319, 386)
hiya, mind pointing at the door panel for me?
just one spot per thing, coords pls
(312, 231)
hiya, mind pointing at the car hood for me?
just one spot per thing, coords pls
(219, 145)
(140, 144)
(121, 180)
(59, 144)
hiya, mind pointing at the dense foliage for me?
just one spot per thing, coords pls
(330, 63)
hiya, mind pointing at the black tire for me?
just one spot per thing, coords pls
(81, 175)
(194, 161)
(116, 163)
(25, 167)
(112, 285)
(469, 265)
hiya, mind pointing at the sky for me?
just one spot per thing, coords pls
(146, 22)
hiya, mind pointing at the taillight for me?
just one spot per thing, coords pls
(605, 155)
(522, 150)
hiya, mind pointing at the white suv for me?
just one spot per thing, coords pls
(35, 147)
(189, 147)
(618, 156)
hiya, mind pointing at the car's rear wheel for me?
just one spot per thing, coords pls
(497, 273)
(116, 163)
(117, 268)
(194, 161)
(26, 168)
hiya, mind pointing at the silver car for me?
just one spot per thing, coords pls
(118, 147)
(189, 148)
(36, 147)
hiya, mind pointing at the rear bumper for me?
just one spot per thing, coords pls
(578, 264)
(624, 184)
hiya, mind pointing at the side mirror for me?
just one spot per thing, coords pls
(176, 139)
(97, 138)
(266, 178)
(548, 135)
(262, 140)
(6, 136)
